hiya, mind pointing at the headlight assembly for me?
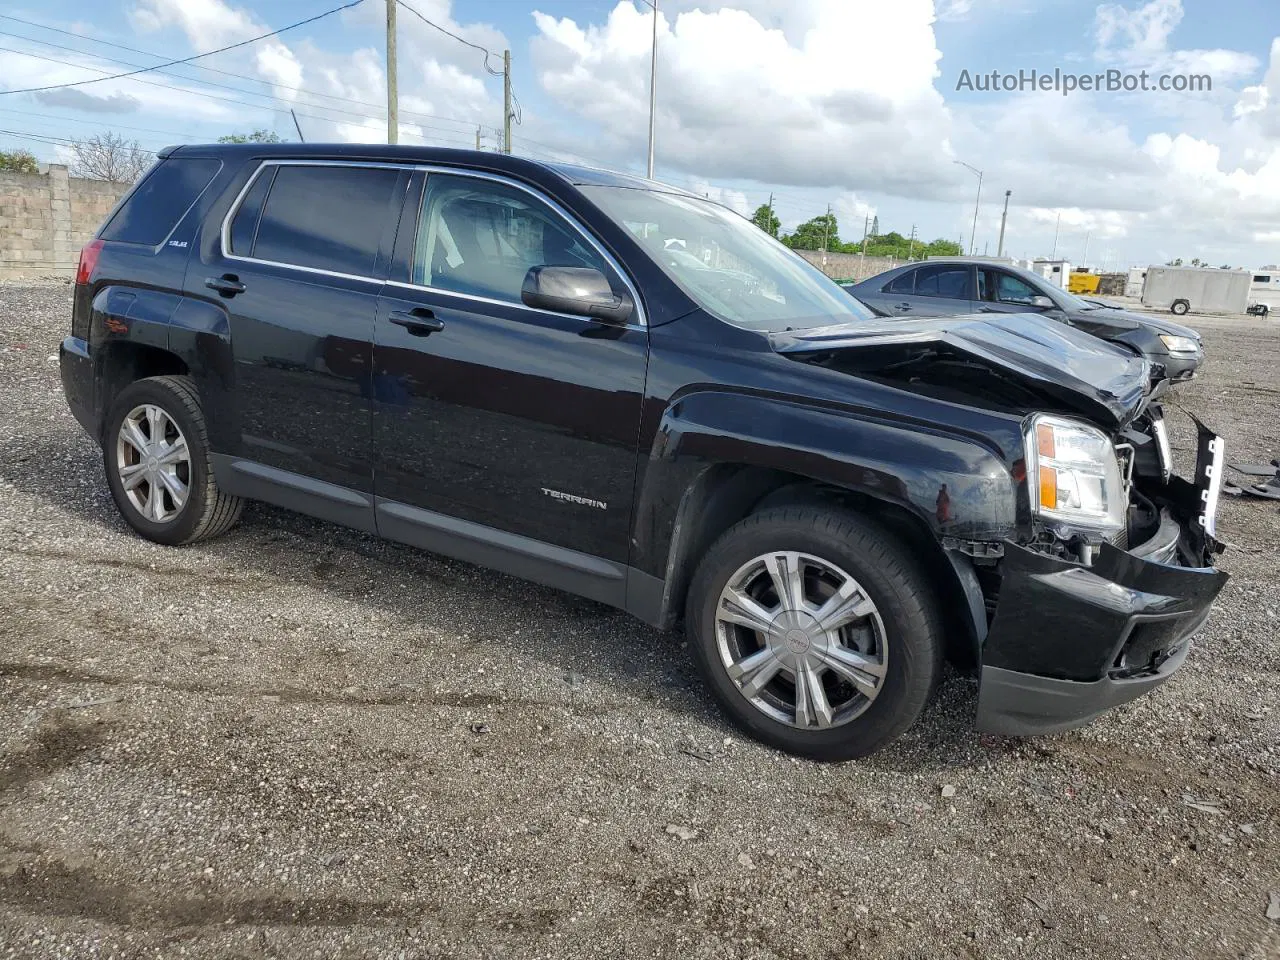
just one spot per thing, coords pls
(1175, 344)
(1074, 477)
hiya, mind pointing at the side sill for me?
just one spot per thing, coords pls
(522, 557)
(293, 491)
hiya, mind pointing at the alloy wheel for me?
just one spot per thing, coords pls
(153, 463)
(801, 640)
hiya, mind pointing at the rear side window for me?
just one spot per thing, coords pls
(950, 283)
(162, 199)
(244, 228)
(328, 218)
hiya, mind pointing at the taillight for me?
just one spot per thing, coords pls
(88, 261)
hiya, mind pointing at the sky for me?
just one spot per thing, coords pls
(873, 107)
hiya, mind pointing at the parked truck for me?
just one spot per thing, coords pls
(1202, 289)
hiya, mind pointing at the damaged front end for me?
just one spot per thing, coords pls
(1082, 625)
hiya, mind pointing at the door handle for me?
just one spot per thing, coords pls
(904, 306)
(228, 284)
(419, 321)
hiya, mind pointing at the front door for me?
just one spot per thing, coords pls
(497, 424)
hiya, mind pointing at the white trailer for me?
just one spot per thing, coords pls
(1203, 289)
(1264, 292)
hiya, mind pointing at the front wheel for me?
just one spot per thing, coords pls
(156, 454)
(1180, 307)
(816, 631)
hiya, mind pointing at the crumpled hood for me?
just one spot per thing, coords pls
(1106, 383)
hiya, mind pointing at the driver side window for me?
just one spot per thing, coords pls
(1009, 289)
(480, 237)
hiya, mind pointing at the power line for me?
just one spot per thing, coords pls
(447, 33)
(114, 126)
(173, 63)
(200, 66)
(242, 103)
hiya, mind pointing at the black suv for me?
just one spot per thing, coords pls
(951, 286)
(503, 361)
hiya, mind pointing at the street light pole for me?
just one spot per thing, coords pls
(1003, 219)
(653, 84)
(976, 203)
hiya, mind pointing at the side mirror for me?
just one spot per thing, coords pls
(1041, 302)
(581, 291)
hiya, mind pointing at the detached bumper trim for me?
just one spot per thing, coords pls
(1023, 704)
(76, 367)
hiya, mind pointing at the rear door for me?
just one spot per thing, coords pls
(931, 290)
(302, 258)
(521, 423)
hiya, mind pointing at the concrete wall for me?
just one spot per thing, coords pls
(849, 266)
(45, 218)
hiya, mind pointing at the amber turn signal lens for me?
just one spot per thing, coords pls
(1049, 488)
(1044, 440)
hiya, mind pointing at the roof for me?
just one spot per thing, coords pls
(404, 153)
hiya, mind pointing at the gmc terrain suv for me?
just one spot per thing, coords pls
(630, 393)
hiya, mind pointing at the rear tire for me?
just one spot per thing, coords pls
(874, 673)
(1180, 308)
(157, 464)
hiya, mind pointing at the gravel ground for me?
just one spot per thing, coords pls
(297, 741)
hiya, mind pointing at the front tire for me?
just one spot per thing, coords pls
(1180, 308)
(155, 452)
(816, 631)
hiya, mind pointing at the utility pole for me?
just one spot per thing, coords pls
(653, 85)
(477, 136)
(506, 101)
(911, 244)
(768, 227)
(1084, 261)
(862, 251)
(393, 97)
(1003, 218)
(826, 232)
(1054, 255)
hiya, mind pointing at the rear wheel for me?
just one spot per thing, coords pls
(156, 456)
(1180, 307)
(815, 631)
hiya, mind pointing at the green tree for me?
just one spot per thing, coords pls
(766, 220)
(820, 233)
(19, 161)
(258, 136)
(940, 248)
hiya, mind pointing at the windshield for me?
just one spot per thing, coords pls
(730, 266)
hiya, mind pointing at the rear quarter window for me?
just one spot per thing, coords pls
(161, 200)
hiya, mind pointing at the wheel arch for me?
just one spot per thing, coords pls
(726, 493)
(121, 362)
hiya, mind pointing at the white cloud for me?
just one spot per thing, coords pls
(208, 24)
(850, 103)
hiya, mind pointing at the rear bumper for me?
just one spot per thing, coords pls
(1069, 641)
(76, 367)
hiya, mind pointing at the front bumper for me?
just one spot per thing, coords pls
(1179, 368)
(1069, 642)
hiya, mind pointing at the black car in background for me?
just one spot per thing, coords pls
(961, 285)
(628, 392)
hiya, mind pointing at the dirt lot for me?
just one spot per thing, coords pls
(299, 742)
